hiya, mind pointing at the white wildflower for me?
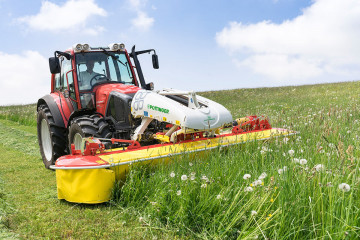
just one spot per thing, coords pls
(218, 196)
(184, 177)
(253, 213)
(190, 164)
(246, 176)
(280, 171)
(319, 167)
(178, 193)
(192, 177)
(262, 152)
(257, 182)
(141, 219)
(303, 161)
(344, 187)
(205, 178)
(248, 189)
(285, 140)
(172, 174)
(291, 152)
(285, 168)
(192, 173)
(203, 185)
(329, 184)
(263, 175)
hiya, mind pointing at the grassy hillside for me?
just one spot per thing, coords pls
(304, 187)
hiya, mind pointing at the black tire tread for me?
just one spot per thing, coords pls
(57, 134)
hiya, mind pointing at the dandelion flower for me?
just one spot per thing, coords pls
(218, 196)
(184, 177)
(246, 176)
(203, 185)
(319, 167)
(291, 152)
(141, 219)
(205, 178)
(262, 176)
(280, 171)
(192, 173)
(303, 161)
(272, 200)
(296, 160)
(178, 193)
(285, 168)
(344, 187)
(257, 182)
(192, 178)
(172, 174)
(253, 213)
(329, 184)
(248, 189)
(190, 164)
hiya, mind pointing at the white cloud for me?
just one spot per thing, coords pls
(322, 41)
(142, 21)
(24, 78)
(70, 15)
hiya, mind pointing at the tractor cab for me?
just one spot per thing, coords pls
(79, 71)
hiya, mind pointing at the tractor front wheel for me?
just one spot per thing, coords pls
(87, 126)
(52, 140)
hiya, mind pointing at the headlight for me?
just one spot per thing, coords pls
(122, 46)
(77, 47)
(85, 47)
(81, 47)
(114, 46)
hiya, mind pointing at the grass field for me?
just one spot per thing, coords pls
(303, 187)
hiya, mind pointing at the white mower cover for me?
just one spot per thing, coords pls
(194, 112)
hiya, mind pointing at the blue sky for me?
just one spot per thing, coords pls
(202, 45)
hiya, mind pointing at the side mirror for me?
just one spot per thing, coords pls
(150, 86)
(54, 64)
(155, 61)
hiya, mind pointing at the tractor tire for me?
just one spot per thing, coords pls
(87, 126)
(51, 138)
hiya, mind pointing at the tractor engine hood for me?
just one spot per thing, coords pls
(184, 109)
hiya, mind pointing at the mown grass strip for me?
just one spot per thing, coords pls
(36, 211)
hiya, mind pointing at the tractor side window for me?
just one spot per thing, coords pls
(125, 72)
(67, 77)
(57, 81)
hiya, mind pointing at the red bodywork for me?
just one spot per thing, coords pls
(101, 92)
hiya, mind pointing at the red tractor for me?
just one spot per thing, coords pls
(91, 93)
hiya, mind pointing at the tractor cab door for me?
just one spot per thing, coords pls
(64, 84)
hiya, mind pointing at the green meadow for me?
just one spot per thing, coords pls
(301, 187)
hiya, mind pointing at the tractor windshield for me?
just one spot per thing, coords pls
(94, 68)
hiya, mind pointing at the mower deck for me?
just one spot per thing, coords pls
(90, 178)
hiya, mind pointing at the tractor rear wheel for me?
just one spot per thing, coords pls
(52, 140)
(87, 126)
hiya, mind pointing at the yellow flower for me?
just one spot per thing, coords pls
(267, 219)
(262, 183)
(272, 200)
(270, 215)
(251, 185)
(275, 188)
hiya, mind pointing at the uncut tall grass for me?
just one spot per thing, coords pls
(208, 197)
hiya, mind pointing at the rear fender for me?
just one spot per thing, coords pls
(81, 112)
(59, 118)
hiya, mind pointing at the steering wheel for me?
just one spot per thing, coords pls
(99, 75)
